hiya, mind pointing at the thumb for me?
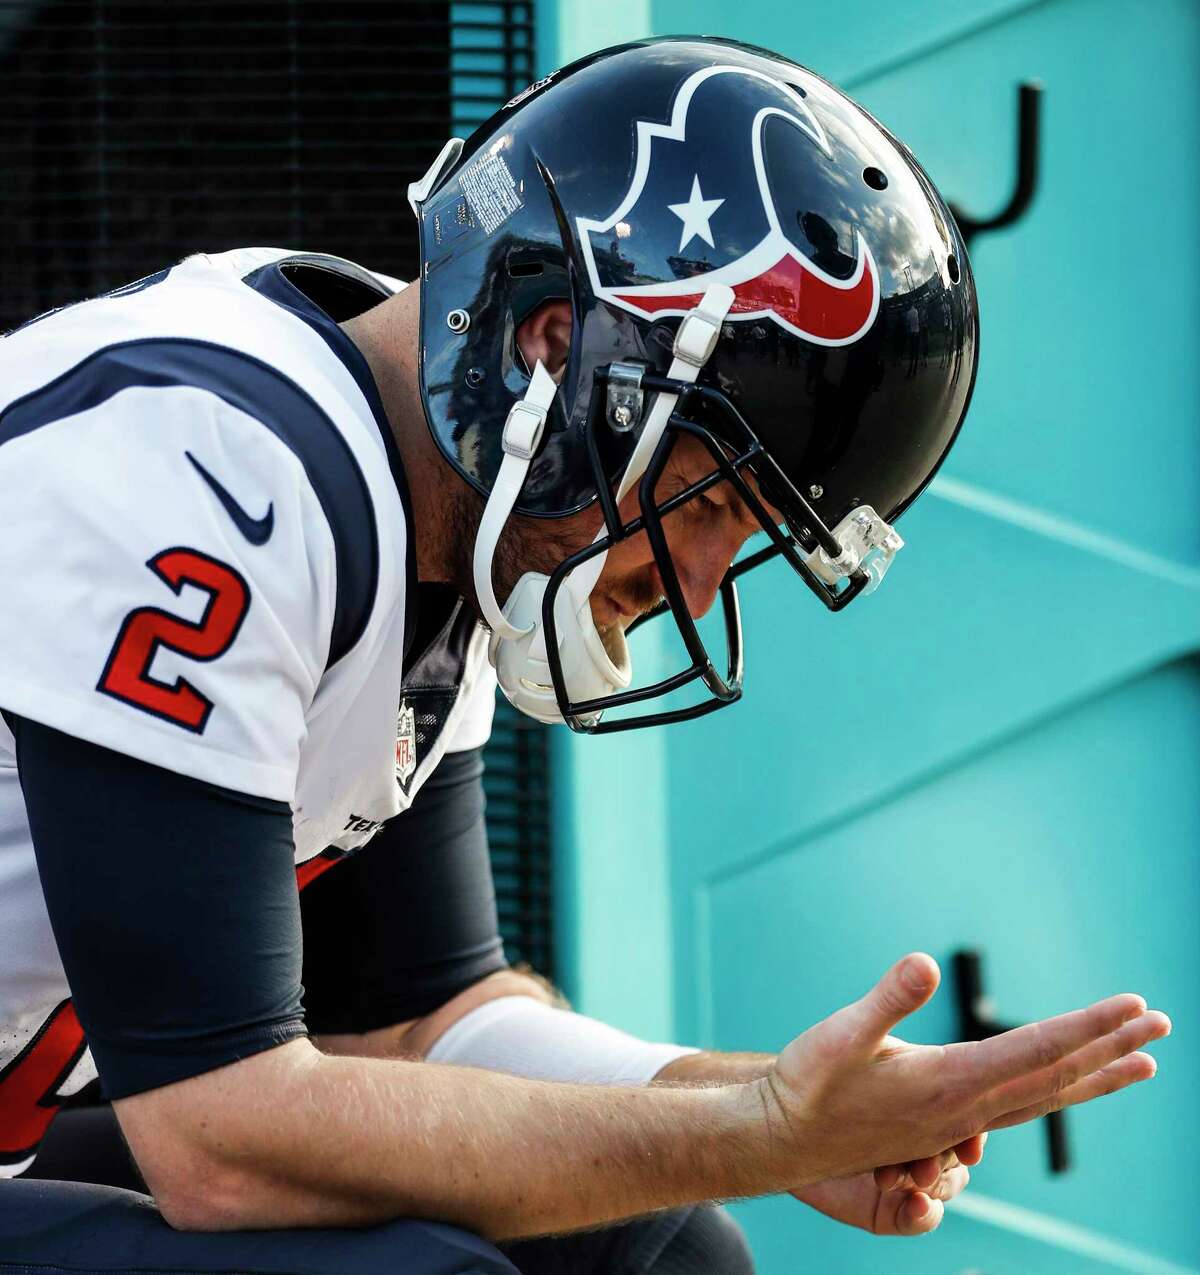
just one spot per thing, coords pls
(901, 991)
(918, 1214)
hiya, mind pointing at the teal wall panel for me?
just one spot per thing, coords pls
(846, 41)
(1089, 381)
(612, 885)
(1006, 743)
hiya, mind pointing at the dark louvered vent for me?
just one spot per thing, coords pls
(132, 134)
(518, 818)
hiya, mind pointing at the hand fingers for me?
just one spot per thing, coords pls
(1016, 1053)
(918, 1214)
(918, 1174)
(924, 1173)
(1046, 1084)
(900, 992)
(1118, 1075)
(915, 1175)
(971, 1151)
(950, 1184)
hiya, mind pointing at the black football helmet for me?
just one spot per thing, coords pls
(751, 259)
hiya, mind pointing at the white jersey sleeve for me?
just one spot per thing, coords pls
(172, 587)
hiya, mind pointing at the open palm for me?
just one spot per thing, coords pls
(848, 1097)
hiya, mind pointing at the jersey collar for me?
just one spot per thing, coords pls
(280, 282)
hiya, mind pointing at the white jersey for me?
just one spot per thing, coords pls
(206, 559)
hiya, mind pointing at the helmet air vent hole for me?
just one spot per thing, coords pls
(524, 269)
(952, 268)
(876, 178)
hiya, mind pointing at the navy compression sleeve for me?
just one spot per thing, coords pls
(174, 908)
(410, 919)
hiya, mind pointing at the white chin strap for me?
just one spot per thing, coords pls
(593, 666)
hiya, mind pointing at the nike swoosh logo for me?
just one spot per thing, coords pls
(256, 530)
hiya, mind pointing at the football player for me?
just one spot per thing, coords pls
(270, 520)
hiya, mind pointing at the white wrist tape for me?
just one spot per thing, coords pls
(526, 1037)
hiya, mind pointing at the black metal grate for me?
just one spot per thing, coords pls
(517, 780)
(492, 58)
(135, 133)
(132, 134)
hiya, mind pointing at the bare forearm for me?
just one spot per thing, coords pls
(352, 1141)
(711, 1067)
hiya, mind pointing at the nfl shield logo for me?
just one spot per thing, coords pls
(406, 744)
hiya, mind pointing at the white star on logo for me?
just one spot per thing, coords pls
(695, 215)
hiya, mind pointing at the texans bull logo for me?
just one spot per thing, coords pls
(675, 171)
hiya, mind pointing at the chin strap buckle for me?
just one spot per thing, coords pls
(525, 425)
(700, 329)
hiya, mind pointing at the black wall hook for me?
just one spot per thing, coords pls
(976, 1021)
(1029, 133)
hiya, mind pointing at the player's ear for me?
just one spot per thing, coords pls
(546, 334)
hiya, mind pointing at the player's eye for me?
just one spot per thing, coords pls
(703, 506)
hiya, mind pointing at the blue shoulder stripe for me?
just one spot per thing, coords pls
(260, 391)
(272, 282)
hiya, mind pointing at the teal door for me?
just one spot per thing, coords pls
(1008, 753)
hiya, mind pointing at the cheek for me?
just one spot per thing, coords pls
(627, 557)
